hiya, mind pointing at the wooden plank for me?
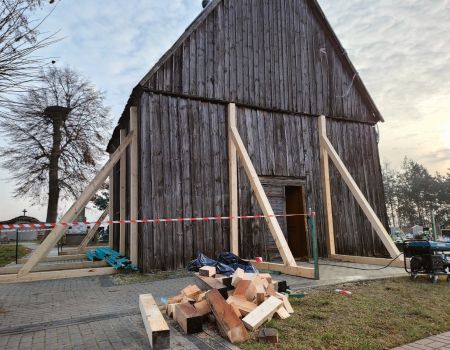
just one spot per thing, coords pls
(56, 275)
(202, 308)
(207, 271)
(365, 206)
(300, 271)
(207, 283)
(134, 183)
(111, 208)
(244, 306)
(188, 318)
(54, 236)
(399, 262)
(237, 276)
(191, 291)
(123, 194)
(233, 174)
(72, 265)
(282, 313)
(262, 313)
(156, 326)
(229, 324)
(325, 172)
(271, 220)
(57, 258)
(93, 230)
(245, 289)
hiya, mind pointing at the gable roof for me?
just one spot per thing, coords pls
(201, 18)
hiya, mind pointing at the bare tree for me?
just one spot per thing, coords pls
(19, 40)
(55, 138)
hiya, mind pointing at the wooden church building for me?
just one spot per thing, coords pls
(272, 67)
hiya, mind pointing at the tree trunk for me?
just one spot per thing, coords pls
(53, 173)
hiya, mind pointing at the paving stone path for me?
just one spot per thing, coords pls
(87, 313)
(440, 341)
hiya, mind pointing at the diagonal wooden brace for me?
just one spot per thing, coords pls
(45, 247)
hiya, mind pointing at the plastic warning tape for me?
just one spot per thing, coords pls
(139, 221)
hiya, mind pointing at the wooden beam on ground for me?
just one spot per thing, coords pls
(207, 271)
(244, 306)
(54, 236)
(55, 275)
(123, 194)
(57, 258)
(263, 201)
(262, 313)
(230, 326)
(134, 179)
(111, 208)
(56, 266)
(207, 283)
(188, 318)
(233, 181)
(325, 172)
(362, 201)
(92, 231)
(300, 271)
(399, 262)
(156, 326)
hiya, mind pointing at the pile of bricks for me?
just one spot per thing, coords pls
(239, 303)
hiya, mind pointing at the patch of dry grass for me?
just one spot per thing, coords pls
(8, 253)
(128, 277)
(380, 315)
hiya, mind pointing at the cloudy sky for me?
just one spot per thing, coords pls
(400, 48)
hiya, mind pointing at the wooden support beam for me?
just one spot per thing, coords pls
(399, 262)
(233, 181)
(92, 231)
(111, 208)
(123, 194)
(229, 324)
(207, 283)
(53, 237)
(300, 271)
(362, 201)
(263, 201)
(243, 305)
(69, 265)
(57, 258)
(188, 318)
(325, 172)
(56, 275)
(155, 325)
(134, 179)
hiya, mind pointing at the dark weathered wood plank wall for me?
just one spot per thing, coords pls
(184, 173)
(268, 53)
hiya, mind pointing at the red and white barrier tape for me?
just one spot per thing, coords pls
(44, 226)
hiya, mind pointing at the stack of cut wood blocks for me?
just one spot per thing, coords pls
(241, 302)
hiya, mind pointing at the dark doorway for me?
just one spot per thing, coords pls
(297, 228)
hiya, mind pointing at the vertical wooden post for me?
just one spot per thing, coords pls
(111, 207)
(123, 193)
(324, 169)
(134, 170)
(232, 174)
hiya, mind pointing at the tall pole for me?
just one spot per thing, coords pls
(17, 245)
(433, 219)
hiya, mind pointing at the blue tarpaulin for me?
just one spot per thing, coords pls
(226, 264)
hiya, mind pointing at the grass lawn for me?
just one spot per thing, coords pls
(380, 315)
(8, 253)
